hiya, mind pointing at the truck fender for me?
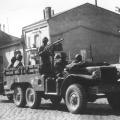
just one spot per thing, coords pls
(73, 78)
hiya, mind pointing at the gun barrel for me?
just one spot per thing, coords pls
(51, 45)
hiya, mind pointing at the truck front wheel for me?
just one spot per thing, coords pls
(33, 99)
(114, 100)
(19, 96)
(75, 98)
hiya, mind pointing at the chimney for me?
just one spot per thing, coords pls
(52, 13)
(47, 13)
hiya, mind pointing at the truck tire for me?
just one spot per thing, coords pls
(10, 97)
(33, 99)
(55, 100)
(19, 96)
(114, 100)
(75, 98)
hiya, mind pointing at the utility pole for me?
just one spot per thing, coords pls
(96, 2)
(7, 24)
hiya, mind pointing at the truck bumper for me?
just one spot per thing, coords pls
(104, 89)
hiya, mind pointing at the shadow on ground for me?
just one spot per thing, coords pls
(92, 109)
(6, 101)
(50, 106)
(100, 109)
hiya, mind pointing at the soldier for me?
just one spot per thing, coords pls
(18, 62)
(13, 59)
(60, 63)
(78, 58)
(45, 58)
(76, 64)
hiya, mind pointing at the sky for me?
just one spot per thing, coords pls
(16, 14)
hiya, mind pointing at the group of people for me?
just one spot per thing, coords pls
(16, 60)
(60, 61)
(46, 58)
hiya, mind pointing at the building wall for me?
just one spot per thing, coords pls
(88, 16)
(34, 34)
(91, 44)
(88, 30)
(35, 37)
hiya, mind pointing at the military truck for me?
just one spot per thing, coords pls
(77, 85)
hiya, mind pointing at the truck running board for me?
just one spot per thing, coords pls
(9, 92)
(50, 93)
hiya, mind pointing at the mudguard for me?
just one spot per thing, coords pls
(76, 78)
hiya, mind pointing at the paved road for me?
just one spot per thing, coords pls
(99, 110)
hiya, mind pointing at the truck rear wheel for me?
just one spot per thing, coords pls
(33, 99)
(19, 96)
(75, 98)
(114, 100)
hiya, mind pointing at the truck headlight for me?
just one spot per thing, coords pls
(96, 74)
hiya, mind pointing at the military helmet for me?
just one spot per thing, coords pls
(78, 57)
(57, 56)
(18, 57)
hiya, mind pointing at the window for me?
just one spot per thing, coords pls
(83, 52)
(28, 42)
(36, 39)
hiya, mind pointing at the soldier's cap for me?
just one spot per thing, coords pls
(78, 57)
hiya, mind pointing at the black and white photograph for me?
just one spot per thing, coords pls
(59, 59)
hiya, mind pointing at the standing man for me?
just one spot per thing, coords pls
(45, 58)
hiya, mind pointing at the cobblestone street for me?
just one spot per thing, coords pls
(99, 110)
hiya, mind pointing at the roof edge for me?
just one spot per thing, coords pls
(12, 44)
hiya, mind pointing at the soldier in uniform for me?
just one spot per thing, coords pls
(45, 58)
(78, 59)
(18, 61)
(13, 59)
(76, 64)
(60, 63)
